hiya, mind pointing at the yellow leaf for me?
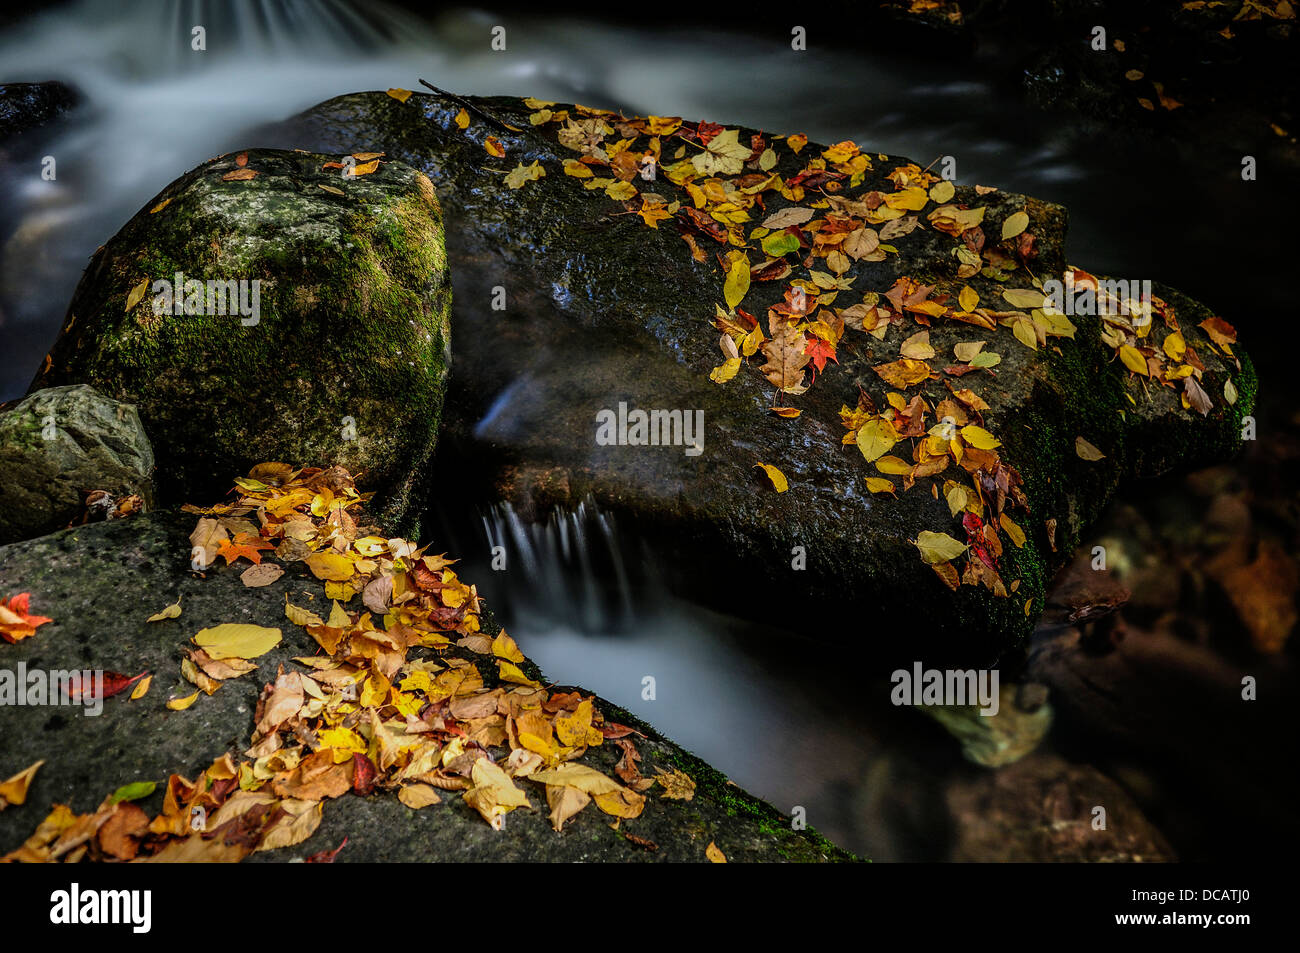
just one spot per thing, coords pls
(625, 803)
(904, 372)
(1133, 359)
(875, 438)
(1025, 334)
(510, 672)
(365, 168)
(575, 729)
(494, 147)
(504, 647)
(677, 784)
(737, 283)
(137, 293)
(917, 346)
(462, 120)
(14, 791)
(1024, 297)
(300, 616)
(880, 485)
(237, 640)
(171, 612)
(565, 802)
(141, 688)
(416, 796)
(776, 476)
(1175, 346)
(579, 170)
(895, 466)
(725, 371)
(493, 794)
(715, 854)
(1014, 225)
(941, 192)
(968, 298)
(522, 174)
(979, 438)
(401, 95)
(622, 191)
(938, 547)
(330, 565)
(1015, 532)
(180, 704)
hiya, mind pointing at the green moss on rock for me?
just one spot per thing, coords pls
(346, 358)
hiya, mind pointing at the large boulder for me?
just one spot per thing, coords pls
(601, 310)
(63, 447)
(331, 346)
(98, 584)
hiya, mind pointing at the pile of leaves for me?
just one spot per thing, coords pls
(407, 695)
(716, 186)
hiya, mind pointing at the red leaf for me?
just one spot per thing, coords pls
(326, 856)
(363, 774)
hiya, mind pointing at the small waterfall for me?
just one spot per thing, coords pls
(570, 567)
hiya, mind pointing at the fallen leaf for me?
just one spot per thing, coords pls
(938, 547)
(1087, 451)
(180, 704)
(14, 790)
(776, 476)
(237, 640)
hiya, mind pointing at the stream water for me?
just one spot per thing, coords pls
(763, 705)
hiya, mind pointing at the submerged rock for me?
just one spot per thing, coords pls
(1047, 809)
(25, 106)
(999, 737)
(604, 316)
(310, 322)
(100, 583)
(63, 447)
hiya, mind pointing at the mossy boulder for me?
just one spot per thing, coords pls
(100, 583)
(601, 310)
(58, 446)
(331, 347)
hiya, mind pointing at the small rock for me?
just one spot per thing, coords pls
(25, 106)
(70, 454)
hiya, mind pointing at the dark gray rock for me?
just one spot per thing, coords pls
(602, 310)
(25, 106)
(60, 444)
(100, 583)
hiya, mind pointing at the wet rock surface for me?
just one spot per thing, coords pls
(99, 583)
(601, 310)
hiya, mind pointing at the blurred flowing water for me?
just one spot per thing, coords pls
(763, 705)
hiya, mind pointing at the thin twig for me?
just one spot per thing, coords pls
(480, 112)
